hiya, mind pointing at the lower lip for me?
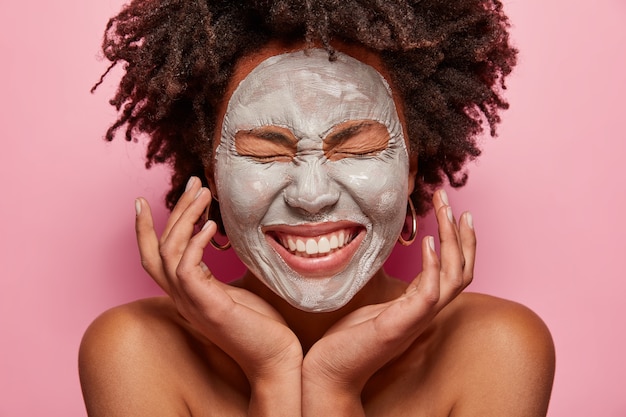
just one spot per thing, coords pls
(322, 266)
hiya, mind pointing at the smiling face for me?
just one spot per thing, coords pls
(312, 176)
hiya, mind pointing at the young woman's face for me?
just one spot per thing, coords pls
(312, 175)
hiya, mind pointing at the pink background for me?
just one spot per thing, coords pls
(547, 196)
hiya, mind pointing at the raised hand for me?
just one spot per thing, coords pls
(243, 325)
(338, 365)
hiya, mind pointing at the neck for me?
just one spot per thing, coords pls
(310, 327)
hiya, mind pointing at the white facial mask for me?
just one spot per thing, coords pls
(353, 206)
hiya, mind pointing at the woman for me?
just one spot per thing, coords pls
(312, 131)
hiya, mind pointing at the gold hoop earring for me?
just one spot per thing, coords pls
(413, 235)
(219, 247)
(213, 242)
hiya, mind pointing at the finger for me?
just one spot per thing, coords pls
(452, 259)
(207, 296)
(426, 285)
(440, 199)
(173, 247)
(191, 260)
(193, 187)
(197, 287)
(192, 273)
(428, 281)
(407, 316)
(468, 246)
(148, 244)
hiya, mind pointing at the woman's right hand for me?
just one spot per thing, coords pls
(240, 323)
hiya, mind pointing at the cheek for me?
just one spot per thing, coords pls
(391, 199)
(246, 189)
(384, 205)
(378, 187)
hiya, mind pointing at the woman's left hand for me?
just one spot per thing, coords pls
(362, 342)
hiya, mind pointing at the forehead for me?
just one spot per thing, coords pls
(304, 90)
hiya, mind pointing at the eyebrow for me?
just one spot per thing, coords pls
(348, 132)
(272, 136)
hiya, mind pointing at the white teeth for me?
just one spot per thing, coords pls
(310, 247)
(323, 246)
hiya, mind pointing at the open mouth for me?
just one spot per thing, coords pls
(317, 251)
(314, 247)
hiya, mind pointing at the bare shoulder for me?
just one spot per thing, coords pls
(121, 351)
(140, 359)
(132, 328)
(502, 354)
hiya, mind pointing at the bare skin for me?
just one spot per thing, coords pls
(141, 359)
(396, 349)
(478, 356)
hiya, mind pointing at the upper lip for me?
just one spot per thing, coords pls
(311, 229)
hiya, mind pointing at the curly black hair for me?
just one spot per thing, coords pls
(447, 60)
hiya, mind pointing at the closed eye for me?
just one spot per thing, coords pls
(267, 144)
(356, 139)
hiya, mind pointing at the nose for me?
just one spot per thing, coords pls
(311, 189)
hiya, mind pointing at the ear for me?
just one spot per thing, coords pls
(210, 177)
(412, 172)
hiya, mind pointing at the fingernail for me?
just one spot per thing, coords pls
(205, 225)
(198, 193)
(137, 207)
(189, 183)
(449, 213)
(431, 242)
(469, 219)
(444, 197)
